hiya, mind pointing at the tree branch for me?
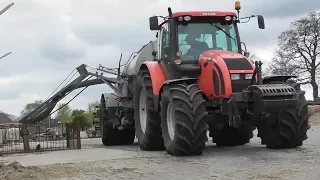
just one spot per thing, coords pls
(299, 49)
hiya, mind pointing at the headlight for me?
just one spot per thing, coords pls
(248, 76)
(187, 18)
(228, 18)
(235, 76)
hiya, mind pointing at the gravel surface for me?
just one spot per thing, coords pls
(95, 161)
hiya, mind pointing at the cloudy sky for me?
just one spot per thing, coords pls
(49, 38)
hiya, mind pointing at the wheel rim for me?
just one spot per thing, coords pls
(142, 110)
(171, 121)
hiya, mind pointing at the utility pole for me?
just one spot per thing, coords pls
(1, 12)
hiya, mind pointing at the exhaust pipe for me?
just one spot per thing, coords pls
(170, 12)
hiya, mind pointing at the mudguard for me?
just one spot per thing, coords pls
(179, 81)
(157, 75)
(159, 80)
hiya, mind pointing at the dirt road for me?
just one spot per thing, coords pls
(94, 161)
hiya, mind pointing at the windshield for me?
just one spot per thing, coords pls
(195, 38)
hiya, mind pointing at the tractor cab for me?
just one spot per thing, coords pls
(184, 36)
(195, 32)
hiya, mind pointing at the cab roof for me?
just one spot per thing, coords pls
(203, 13)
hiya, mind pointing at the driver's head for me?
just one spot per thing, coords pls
(191, 38)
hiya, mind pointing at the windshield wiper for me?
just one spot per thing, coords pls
(224, 32)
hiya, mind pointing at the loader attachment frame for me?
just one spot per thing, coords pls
(82, 81)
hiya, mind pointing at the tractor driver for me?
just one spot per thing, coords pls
(196, 47)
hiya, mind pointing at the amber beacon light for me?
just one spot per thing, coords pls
(237, 5)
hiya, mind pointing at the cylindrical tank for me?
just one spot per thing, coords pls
(144, 55)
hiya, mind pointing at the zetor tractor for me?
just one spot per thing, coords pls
(194, 78)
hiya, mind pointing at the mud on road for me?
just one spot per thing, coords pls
(95, 161)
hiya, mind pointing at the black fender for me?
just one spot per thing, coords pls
(280, 78)
(172, 81)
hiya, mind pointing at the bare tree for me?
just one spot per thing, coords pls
(299, 51)
(285, 64)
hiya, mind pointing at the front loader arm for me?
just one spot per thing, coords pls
(45, 108)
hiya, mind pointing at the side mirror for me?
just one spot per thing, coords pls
(261, 22)
(153, 23)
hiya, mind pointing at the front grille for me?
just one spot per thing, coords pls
(238, 64)
(241, 84)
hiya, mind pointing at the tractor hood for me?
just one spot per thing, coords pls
(225, 54)
(234, 61)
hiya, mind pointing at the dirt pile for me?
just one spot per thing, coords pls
(15, 171)
(314, 112)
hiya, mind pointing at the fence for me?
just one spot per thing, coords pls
(38, 137)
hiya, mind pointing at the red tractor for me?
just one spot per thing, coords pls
(195, 78)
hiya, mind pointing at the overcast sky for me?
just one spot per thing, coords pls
(49, 38)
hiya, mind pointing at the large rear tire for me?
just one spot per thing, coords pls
(286, 128)
(183, 119)
(109, 135)
(147, 119)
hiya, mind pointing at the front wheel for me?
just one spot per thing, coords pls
(287, 128)
(183, 123)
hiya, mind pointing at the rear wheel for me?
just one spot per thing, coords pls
(230, 136)
(286, 128)
(147, 119)
(234, 136)
(183, 122)
(109, 135)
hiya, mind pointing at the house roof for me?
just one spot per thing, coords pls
(4, 119)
